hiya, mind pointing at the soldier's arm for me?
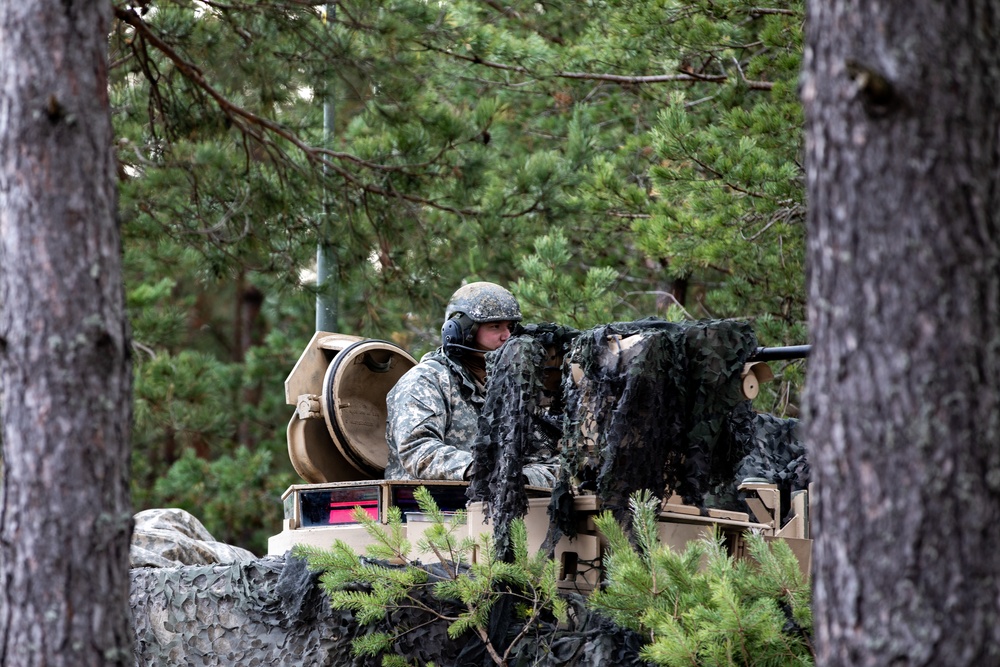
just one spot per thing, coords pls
(418, 420)
(542, 474)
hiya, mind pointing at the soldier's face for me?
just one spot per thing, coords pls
(492, 335)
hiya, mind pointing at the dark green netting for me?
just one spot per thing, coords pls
(521, 423)
(255, 613)
(648, 404)
(774, 453)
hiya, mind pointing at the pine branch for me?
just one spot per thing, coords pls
(510, 11)
(257, 127)
(625, 79)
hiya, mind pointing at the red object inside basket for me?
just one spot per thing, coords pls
(343, 512)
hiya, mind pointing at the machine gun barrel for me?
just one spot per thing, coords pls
(777, 353)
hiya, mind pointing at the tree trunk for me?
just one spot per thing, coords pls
(902, 104)
(65, 363)
(248, 322)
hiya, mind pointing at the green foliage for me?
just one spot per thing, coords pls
(729, 186)
(174, 393)
(461, 131)
(387, 580)
(198, 418)
(701, 607)
(233, 495)
(595, 161)
(552, 291)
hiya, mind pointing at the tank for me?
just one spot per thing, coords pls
(337, 446)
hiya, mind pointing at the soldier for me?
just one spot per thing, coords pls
(434, 408)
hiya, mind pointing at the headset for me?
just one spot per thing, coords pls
(457, 333)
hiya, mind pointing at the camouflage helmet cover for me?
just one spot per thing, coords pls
(484, 302)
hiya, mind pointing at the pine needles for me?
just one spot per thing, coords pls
(698, 608)
(462, 591)
(702, 608)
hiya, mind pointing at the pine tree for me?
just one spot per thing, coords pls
(65, 356)
(634, 159)
(700, 607)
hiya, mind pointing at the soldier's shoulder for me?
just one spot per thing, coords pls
(432, 368)
(436, 359)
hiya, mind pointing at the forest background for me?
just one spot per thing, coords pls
(606, 160)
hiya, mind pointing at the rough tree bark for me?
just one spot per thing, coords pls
(902, 105)
(65, 366)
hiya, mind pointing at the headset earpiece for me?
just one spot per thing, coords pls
(457, 334)
(451, 333)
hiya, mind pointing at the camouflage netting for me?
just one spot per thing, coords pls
(648, 404)
(773, 453)
(776, 454)
(231, 615)
(648, 407)
(271, 612)
(520, 426)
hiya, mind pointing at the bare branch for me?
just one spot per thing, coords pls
(759, 11)
(599, 76)
(629, 216)
(588, 76)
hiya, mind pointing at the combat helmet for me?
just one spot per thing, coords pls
(474, 304)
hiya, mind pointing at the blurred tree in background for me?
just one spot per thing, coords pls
(608, 160)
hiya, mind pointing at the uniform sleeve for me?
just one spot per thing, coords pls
(542, 474)
(419, 410)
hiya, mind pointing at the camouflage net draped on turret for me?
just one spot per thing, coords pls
(647, 404)
(520, 426)
(643, 405)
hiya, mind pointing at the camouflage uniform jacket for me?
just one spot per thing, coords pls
(433, 414)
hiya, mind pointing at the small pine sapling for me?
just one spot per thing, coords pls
(701, 607)
(386, 579)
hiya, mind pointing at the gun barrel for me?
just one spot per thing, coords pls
(776, 353)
